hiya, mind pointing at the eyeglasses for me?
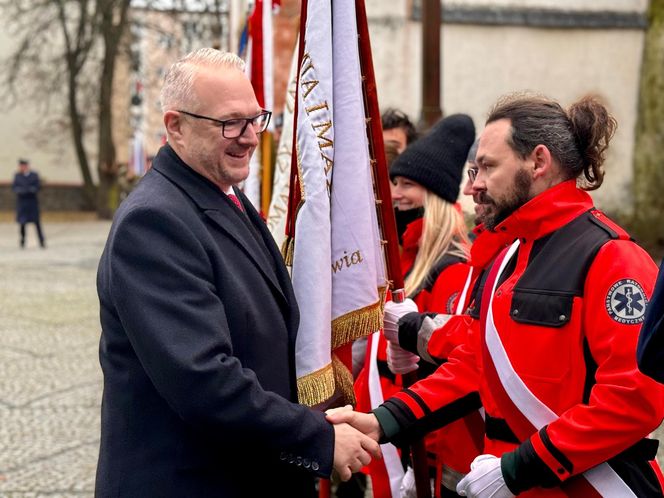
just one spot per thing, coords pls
(472, 174)
(233, 128)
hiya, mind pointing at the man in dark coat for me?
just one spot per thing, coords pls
(650, 349)
(199, 318)
(26, 185)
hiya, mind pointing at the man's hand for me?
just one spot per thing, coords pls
(485, 479)
(352, 450)
(366, 423)
(400, 361)
(394, 311)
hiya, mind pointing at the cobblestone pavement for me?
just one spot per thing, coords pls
(50, 380)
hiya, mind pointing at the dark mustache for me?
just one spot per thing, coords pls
(483, 198)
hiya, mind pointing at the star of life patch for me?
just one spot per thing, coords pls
(626, 302)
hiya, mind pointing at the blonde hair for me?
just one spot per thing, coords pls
(178, 89)
(443, 233)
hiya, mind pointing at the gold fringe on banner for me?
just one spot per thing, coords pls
(317, 387)
(358, 323)
(344, 380)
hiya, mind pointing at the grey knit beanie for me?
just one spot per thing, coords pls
(436, 160)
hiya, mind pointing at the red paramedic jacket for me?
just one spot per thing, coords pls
(584, 368)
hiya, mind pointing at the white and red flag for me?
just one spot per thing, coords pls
(337, 263)
(278, 209)
(259, 57)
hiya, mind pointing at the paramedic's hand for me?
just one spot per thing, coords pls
(401, 361)
(485, 479)
(394, 311)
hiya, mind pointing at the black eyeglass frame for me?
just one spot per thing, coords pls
(472, 174)
(224, 122)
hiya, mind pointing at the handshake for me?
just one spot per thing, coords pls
(356, 438)
(357, 434)
(485, 479)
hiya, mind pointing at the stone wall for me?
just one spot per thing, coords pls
(52, 197)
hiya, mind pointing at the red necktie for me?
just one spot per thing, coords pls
(236, 201)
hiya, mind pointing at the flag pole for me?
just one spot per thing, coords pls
(294, 194)
(386, 216)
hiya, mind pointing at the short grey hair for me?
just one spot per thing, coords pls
(177, 91)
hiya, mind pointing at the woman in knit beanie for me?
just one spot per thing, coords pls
(428, 174)
(435, 262)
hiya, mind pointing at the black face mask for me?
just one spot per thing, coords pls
(405, 218)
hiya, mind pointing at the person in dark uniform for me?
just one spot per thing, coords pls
(26, 185)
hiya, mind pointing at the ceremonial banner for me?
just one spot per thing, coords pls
(276, 218)
(259, 69)
(337, 264)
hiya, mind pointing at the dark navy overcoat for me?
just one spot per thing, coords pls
(199, 322)
(27, 205)
(650, 349)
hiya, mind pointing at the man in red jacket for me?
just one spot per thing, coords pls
(554, 323)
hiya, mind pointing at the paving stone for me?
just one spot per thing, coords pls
(50, 380)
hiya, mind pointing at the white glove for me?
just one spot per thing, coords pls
(394, 311)
(485, 479)
(401, 361)
(407, 488)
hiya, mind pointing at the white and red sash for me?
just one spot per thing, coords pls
(392, 463)
(523, 411)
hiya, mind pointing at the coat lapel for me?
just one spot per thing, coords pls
(275, 254)
(221, 210)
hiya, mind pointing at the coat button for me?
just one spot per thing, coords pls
(315, 466)
(298, 461)
(562, 318)
(515, 312)
(291, 458)
(306, 463)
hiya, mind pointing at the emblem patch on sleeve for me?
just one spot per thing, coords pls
(450, 303)
(626, 302)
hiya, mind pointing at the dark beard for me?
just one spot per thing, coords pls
(519, 196)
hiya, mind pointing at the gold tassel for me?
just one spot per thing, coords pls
(287, 250)
(317, 387)
(358, 323)
(344, 380)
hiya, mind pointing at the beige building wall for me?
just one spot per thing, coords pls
(482, 62)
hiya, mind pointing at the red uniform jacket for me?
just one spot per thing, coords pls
(457, 444)
(584, 368)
